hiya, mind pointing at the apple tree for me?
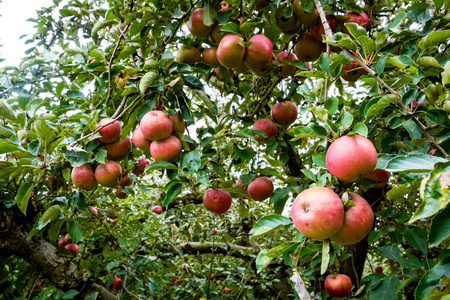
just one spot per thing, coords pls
(237, 149)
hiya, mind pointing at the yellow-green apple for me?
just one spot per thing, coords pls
(260, 189)
(209, 57)
(358, 222)
(157, 209)
(231, 51)
(317, 29)
(216, 35)
(350, 157)
(217, 200)
(338, 285)
(307, 48)
(117, 283)
(156, 125)
(110, 133)
(196, 25)
(168, 149)
(318, 213)
(140, 141)
(285, 70)
(380, 177)
(84, 177)
(266, 126)
(287, 25)
(73, 248)
(178, 124)
(118, 150)
(284, 113)
(108, 174)
(259, 54)
(188, 55)
(306, 18)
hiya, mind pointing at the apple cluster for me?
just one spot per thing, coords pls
(65, 242)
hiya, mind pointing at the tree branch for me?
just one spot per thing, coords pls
(220, 248)
(264, 99)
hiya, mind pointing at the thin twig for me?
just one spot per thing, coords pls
(264, 99)
(121, 105)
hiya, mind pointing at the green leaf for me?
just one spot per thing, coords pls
(206, 100)
(320, 160)
(147, 80)
(209, 14)
(309, 174)
(318, 130)
(413, 163)
(7, 146)
(386, 290)
(325, 256)
(172, 190)
(266, 256)
(417, 237)
(434, 38)
(246, 154)
(390, 252)
(361, 129)
(50, 214)
(78, 156)
(192, 161)
(332, 105)
(268, 224)
(70, 294)
(356, 30)
(75, 231)
(440, 227)
(446, 74)
(324, 62)
(371, 110)
(160, 165)
(100, 25)
(436, 194)
(23, 195)
(431, 278)
(231, 27)
(342, 40)
(279, 198)
(6, 111)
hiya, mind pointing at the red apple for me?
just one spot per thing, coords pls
(125, 181)
(117, 283)
(166, 150)
(285, 70)
(108, 174)
(338, 285)
(121, 194)
(318, 213)
(110, 133)
(196, 25)
(378, 270)
(306, 18)
(217, 200)
(358, 222)
(73, 248)
(266, 126)
(140, 141)
(94, 211)
(284, 113)
(415, 104)
(62, 242)
(259, 54)
(287, 25)
(227, 290)
(317, 29)
(136, 171)
(142, 163)
(307, 48)
(214, 231)
(351, 157)
(216, 35)
(230, 51)
(260, 189)
(156, 125)
(209, 57)
(239, 183)
(380, 176)
(188, 55)
(212, 276)
(118, 150)
(353, 17)
(157, 209)
(354, 72)
(178, 124)
(84, 177)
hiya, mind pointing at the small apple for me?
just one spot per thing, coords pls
(125, 181)
(142, 163)
(121, 194)
(212, 276)
(178, 124)
(361, 19)
(108, 174)
(62, 242)
(94, 211)
(339, 285)
(157, 209)
(84, 177)
(239, 183)
(354, 72)
(284, 113)
(289, 25)
(378, 270)
(217, 200)
(210, 57)
(110, 133)
(214, 231)
(73, 248)
(117, 283)
(260, 189)
(227, 290)
(317, 29)
(266, 126)
(216, 35)
(380, 176)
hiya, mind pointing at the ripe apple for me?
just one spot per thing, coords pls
(84, 177)
(285, 70)
(216, 35)
(306, 18)
(259, 54)
(354, 72)
(378, 270)
(73, 248)
(110, 133)
(156, 125)
(230, 51)
(214, 231)
(94, 211)
(354, 17)
(227, 290)
(338, 285)
(239, 183)
(188, 55)
(242, 68)
(318, 213)
(351, 157)
(157, 209)
(121, 194)
(178, 124)
(415, 104)
(125, 181)
(358, 222)
(266, 126)
(62, 242)
(117, 283)
(168, 149)
(209, 57)
(287, 25)
(217, 200)
(108, 174)
(140, 141)
(307, 48)
(196, 25)
(142, 163)
(118, 150)
(260, 189)
(284, 113)
(380, 176)
(262, 72)
(317, 29)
